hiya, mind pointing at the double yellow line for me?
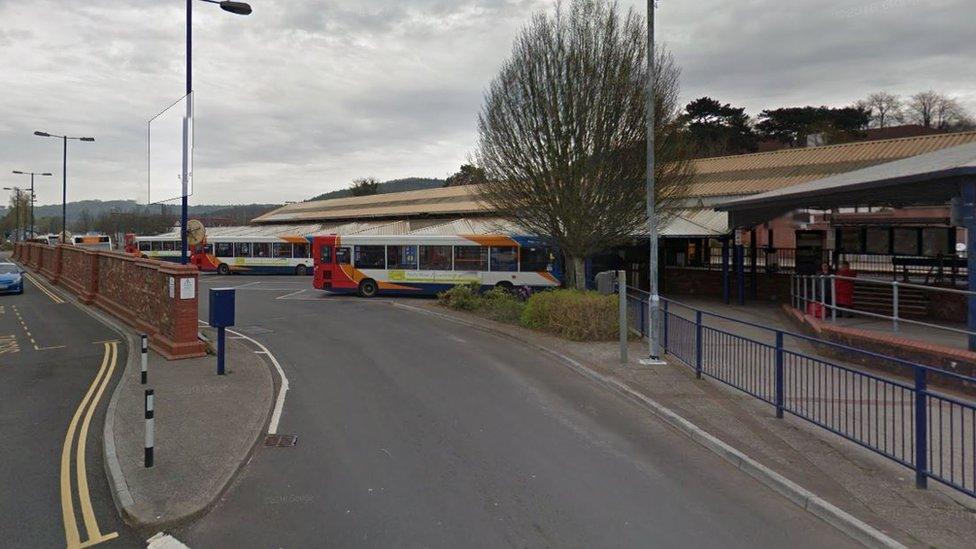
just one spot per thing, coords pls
(54, 297)
(87, 407)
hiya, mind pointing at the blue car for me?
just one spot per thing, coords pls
(11, 279)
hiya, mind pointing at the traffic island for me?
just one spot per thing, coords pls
(206, 427)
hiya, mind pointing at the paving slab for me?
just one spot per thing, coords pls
(206, 427)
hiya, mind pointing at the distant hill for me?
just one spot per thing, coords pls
(95, 208)
(393, 186)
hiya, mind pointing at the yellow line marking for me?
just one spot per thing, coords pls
(87, 512)
(44, 289)
(67, 505)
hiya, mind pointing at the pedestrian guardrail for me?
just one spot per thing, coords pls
(903, 419)
(820, 290)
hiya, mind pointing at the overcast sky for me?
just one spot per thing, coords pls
(304, 95)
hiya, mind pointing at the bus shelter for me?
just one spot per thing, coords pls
(940, 178)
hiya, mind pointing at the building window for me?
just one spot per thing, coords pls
(470, 258)
(225, 249)
(301, 251)
(850, 240)
(435, 258)
(534, 259)
(242, 249)
(878, 241)
(906, 241)
(370, 257)
(401, 257)
(935, 242)
(504, 258)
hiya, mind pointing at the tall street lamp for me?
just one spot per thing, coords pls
(64, 176)
(17, 225)
(239, 8)
(653, 304)
(32, 174)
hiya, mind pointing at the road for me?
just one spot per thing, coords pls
(58, 367)
(418, 432)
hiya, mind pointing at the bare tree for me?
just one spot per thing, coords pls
(563, 132)
(934, 109)
(885, 108)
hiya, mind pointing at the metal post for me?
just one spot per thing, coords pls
(150, 427)
(698, 344)
(186, 161)
(32, 206)
(725, 270)
(652, 231)
(664, 327)
(145, 358)
(833, 298)
(779, 374)
(969, 220)
(921, 429)
(64, 191)
(740, 272)
(622, 307)
(823, 296)
(894, 304)
(220, 351)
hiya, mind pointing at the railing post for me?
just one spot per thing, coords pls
(921, 429)
(664, 327)
(698, 344)
(779, 374)
(894, 304)
(823, 296)
(622, 309)
(793, 290)
(833, 298)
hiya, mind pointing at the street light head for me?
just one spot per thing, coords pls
(240, 8)
(42, 134)
(47, 174)
(88, 139)
(20, 172)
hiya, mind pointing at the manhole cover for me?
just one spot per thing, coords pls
(281, 441)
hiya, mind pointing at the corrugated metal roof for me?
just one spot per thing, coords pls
(724, 176)
(696, 223)
(761, 172)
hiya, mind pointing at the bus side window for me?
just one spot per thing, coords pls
(325, 256)
(301, 251)
(343, 256)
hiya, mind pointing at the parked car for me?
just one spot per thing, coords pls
(11, 279)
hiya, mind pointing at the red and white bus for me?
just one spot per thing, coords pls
(427, 265)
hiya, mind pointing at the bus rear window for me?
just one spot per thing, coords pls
(325, 255)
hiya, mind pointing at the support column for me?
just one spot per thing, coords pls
(753, 257)
(969, 219)
(725, 269)
(740, 272)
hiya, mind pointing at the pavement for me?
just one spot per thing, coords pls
(58, 368)
(859, 482)
(206, 427)
(415, 431)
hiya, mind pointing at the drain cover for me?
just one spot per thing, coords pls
(281, 441)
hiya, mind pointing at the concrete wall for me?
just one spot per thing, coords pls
(134, 290)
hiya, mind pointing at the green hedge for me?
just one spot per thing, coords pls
(571, 314)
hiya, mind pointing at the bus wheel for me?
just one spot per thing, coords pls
(368, 288)
(223, 269)
(506, 286)
(301, 270)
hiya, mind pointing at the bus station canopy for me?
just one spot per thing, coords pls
(925, 180)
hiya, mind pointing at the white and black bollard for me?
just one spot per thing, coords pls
(150, 427)
(145, 358)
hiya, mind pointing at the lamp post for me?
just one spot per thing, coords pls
(239, 8)
(32, 174)
(653, 302)
(17, 225)
(64, 176)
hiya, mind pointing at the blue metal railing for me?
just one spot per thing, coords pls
(905, 420)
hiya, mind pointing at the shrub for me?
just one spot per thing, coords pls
(463, 297)
(503, 306)
(573, 314)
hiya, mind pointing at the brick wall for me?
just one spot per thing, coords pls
(154, 297)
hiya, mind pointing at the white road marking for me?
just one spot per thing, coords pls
(286, 296)
(164, 541)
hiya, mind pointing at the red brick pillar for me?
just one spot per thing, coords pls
(178, 333)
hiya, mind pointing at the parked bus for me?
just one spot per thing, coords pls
(426, 265)
(237, 254)
(93, 241)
